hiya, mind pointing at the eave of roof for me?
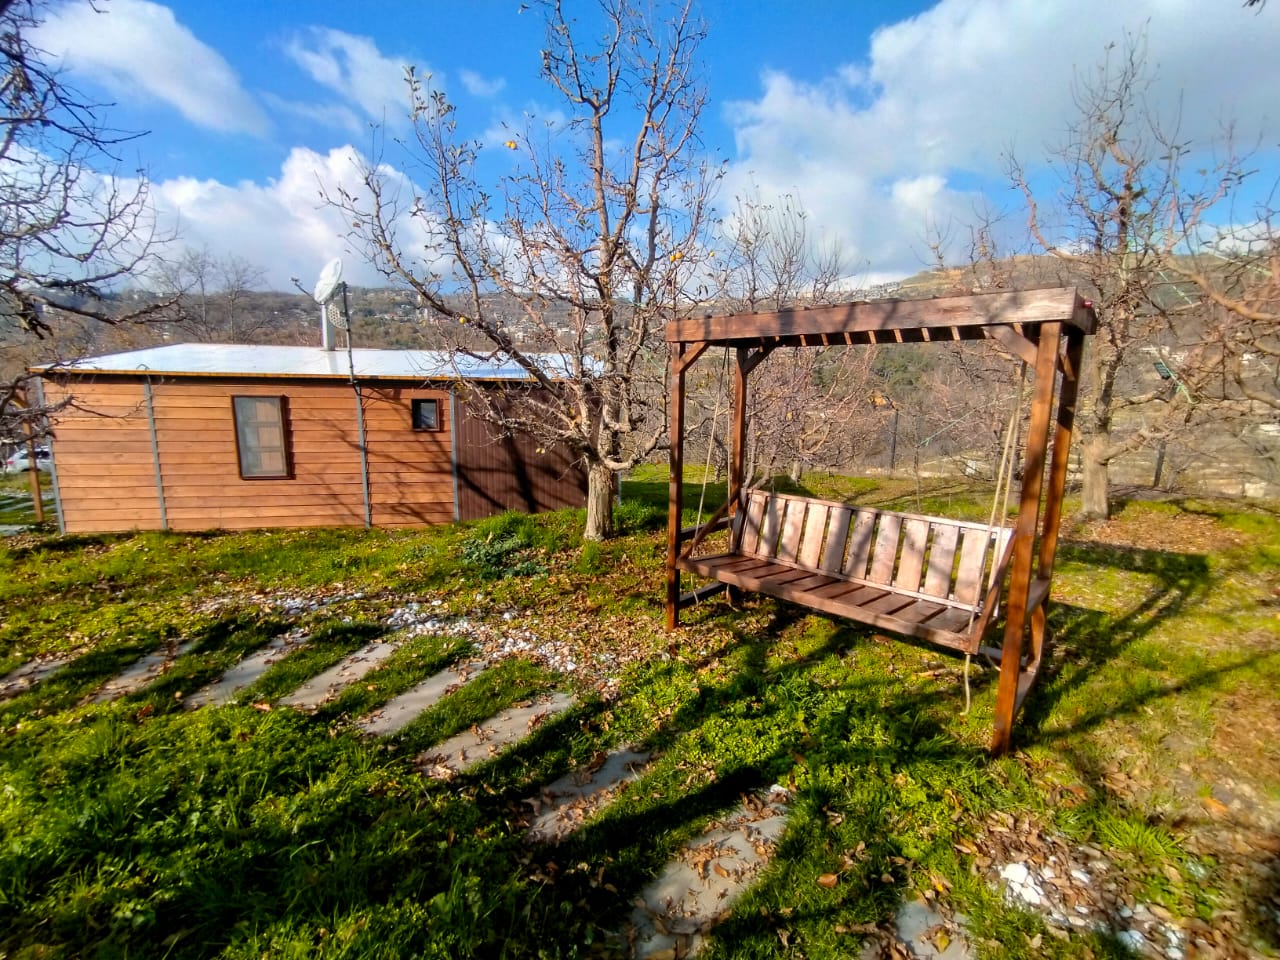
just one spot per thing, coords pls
(254, 361)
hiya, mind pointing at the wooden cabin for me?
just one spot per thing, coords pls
(203, 436)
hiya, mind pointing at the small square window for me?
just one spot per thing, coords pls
(426, 414)
(262, 437)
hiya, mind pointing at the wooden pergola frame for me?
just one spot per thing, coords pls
(1045, 328)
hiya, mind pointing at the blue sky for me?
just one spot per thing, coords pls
(884, 119)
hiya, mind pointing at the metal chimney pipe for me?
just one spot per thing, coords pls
(327, 338)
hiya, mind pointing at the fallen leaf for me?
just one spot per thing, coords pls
(1215, 807)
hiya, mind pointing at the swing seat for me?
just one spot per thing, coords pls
(923, 577)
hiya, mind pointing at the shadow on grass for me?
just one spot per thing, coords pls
(225, 638)
(277, 833)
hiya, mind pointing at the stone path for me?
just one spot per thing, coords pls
(247, 671)
(486, 740)
(29, 674)
(139, 674)
(562, 806)
(397, 713)
(697, 889)
(920, 931)
(328, 685)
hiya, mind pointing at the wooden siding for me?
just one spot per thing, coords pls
(107, 476)
(410, 471)
(102, 452)
(497, 472)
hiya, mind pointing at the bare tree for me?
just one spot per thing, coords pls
(1125, 212)
(807, 408)
(209, 295)
(68, 233)
(591, 242)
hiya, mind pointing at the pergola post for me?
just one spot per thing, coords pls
(1065, 423)
(676, 493)
(1024, 535)
(738, 431)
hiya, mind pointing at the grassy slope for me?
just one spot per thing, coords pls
(139, 829)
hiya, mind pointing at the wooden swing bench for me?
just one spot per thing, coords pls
(948, 582)
(927, 577)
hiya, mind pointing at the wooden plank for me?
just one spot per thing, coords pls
(755, 519)
(935, 318)
(837, 534)
(890, 603)
(969, 574)
(836, 589)
(793, 524)
(815, 526)
(771, 527)
(915, 540)
(920, 611)
(864, 526)
(942, 555)
(954, 620)
(886, 549)
(962, 524)
(815, 581)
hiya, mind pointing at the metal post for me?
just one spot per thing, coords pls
(155, 453)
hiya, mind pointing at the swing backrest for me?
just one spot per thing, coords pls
(935, 557)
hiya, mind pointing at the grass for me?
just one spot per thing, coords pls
(138, 828)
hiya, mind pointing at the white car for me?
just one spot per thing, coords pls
(20, 460)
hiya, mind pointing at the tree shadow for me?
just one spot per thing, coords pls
(1085, 640)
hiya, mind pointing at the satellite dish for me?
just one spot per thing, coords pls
(330, 278)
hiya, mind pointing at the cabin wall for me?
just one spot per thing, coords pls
(107, 464)
(499, 471)
(106, 467)
(102, 451)
(410, 471)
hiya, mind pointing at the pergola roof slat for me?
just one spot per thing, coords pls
(879, 321)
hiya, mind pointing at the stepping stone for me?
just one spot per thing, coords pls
(563, 806)
(141, 673)
(698, 888)
(247, 671)
(399, 712)
(328, 685)
(485, 741)
(29, 674)
(923, 932)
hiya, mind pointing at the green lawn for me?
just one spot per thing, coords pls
(137, 828)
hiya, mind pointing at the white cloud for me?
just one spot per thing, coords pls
(356, 69)
(283, 225)
(875, 150)
(333, 116)
(479, 86)
(134, 47)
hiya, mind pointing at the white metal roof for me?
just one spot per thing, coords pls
(246, 360)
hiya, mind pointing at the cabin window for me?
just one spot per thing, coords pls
(426, 414)
(262, 437)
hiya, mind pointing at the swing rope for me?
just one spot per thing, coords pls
(999, 504)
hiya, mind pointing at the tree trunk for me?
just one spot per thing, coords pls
(599, 503)
(1095, 495)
